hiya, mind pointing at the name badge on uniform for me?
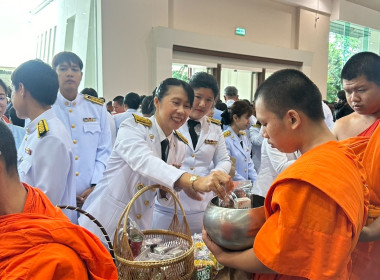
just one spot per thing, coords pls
(212, 142)
(89, 119)
(28, 151)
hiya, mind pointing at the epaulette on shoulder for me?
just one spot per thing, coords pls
(42, 128)
(215, 121)
(93, 99)
(257, 125)
(227, 133)
(142, 120)
(242, 133)
(181, 137)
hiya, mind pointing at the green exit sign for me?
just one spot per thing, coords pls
(240, 31)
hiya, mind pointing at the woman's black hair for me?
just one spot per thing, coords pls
(238, 108)
(162, 90)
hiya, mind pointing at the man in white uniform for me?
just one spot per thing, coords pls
(85, 118)
(45, 158)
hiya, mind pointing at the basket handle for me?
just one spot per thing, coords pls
(127, 209)
(95, 221)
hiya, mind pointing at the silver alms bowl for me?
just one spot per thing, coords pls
(233, 229)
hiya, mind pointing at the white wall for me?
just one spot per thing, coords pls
(126, 30)
(135, 58)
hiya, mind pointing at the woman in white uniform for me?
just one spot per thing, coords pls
(138, 160)
(237, 142)
(206, 152)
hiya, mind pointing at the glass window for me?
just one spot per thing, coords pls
(346, 39)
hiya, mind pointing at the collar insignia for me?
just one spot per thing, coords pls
(142, 120)
(215, 121)
(227, 133)
(93, 99)
(42, 128)
(181, 137)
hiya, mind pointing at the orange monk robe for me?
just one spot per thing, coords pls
(41, 243)
(366, 257)
(369, 131)
(315, 211)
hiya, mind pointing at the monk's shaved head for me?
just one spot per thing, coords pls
(8, 152)
(365, 64)
(290, 89)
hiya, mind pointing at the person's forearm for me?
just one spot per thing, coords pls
(245, 260)
(371, 232)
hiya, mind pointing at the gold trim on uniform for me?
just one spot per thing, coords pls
(89, 119)
(256, 125)
(142, 120)
(93, 99)
(215, 121)
(242, 133)
(212, 142)
(181, 137)
(227, 133)
(42, 128)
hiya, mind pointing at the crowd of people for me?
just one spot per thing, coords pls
(316, 168)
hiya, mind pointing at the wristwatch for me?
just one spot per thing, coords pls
(193, 178)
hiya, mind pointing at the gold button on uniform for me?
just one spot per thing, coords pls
(191, 168)
(245, 160)
(67, 103)
(75, 141)
(76, 157)
(245, 170)
(192, 155)
(73, 126)
(74, 103)
(70, 110)
(138, 216)
(77, 173)
(139, 186)
(146, 202)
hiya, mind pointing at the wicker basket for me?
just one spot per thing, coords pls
(95, 221)
(178, 268)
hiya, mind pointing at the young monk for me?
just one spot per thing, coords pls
(361, 82)
(37, 241)
(314, 214)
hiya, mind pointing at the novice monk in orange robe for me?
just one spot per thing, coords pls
(361, 82)
(37, 241)
(316, 208)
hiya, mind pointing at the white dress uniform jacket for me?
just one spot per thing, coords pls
(211, 148)
(244, 165)
(88, 125)
(18, 133)
(256, 138)
(119, 118)
(135, 162)
(45, 161)
(273, 162)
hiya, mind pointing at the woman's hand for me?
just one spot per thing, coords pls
(218, 182)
